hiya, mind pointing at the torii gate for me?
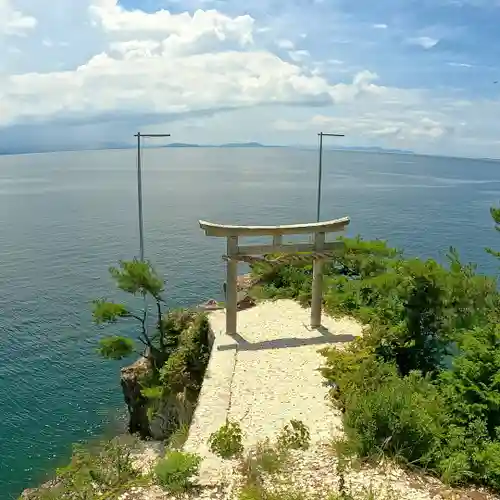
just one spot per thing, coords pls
(318, 251)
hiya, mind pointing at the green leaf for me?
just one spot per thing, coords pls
(108, 312)
(153, 393)
(137, 277)
(116, 347)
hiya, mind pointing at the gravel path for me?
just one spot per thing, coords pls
(264, 377)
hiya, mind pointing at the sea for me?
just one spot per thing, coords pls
(66, 217)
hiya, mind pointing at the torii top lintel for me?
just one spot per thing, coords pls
(225, 230)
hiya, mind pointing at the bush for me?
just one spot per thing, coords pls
(449, 425)
(294, 436)
(104, 468)
(186, 365)
(176, 386)
(176, 470)
(353, 369)
(263, 458)
(471, 390)
(404, 419)
(227, 441)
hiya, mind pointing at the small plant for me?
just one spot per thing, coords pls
(175, 471)
(227, 441)
(294, 436)
(93, 471)
(262, 458)
(179, 437)
(256, 492)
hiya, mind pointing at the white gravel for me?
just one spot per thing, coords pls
(265, 376)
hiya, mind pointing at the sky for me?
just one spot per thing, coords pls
(405, 74)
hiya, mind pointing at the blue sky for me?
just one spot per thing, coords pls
(403, 74)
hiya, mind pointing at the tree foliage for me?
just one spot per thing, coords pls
(495, 215)
(137, 278)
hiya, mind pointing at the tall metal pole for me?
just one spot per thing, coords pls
(320, 170)
(139, 197)
(320, 176)
(139, 188)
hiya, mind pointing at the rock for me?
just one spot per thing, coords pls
(33, 493)
(136, 403)
(246, 303)
(210, 305)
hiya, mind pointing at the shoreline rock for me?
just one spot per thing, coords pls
(130, 378)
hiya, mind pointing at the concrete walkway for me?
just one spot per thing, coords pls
(264, 377)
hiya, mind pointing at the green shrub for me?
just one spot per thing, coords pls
(472, 385)
(263, 458)
(186, 365)
(227, 442)
(294, 436)
(176, 470)
(471, 391)
(257, 492)
(404, 418)
(175, 387)
(115, 347)
(104, 468)
(450, 425)
(179, 437)
(353, 369)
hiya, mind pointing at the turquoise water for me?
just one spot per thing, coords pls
(65, 217)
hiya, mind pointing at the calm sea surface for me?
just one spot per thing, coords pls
(65, 217)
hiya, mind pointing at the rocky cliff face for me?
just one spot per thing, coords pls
(130, 380)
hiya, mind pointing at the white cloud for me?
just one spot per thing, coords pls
(285, 44)
(13, 21)
(459, 65)
(368, 126)
(177, 63)
(299, 55)
(287, 125)
(115, 20)
(380, 26)
(425, 42)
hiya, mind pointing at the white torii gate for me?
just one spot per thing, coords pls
(318, 251)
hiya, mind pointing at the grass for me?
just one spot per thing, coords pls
(263, 458)
(175, 471)
(101, 471)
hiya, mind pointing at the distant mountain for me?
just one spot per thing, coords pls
(375, 149)
(181, 145)
(244, 145)
(228, 145)
(20, 149)
(367, 149)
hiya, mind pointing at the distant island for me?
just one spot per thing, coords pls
(368, 149)
(26, 149)
(227, 145)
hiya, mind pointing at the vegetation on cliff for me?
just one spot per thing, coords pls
(175, 348)
(423, 384)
